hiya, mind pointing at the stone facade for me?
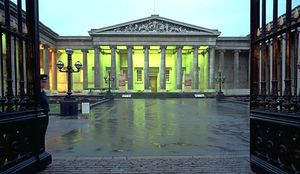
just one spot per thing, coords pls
(152, 54)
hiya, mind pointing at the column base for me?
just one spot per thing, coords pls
(162, 90)
(147, 91)
(178, 90)
(130, 90)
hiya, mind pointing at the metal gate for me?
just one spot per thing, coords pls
(22, 124)
(275, 100)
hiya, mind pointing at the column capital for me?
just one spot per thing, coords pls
(84, 51)
(196, 47)
(146, 46)
(45, 46)
(112, 46)
(129, 47)
(179, 47)
(237, 51)
(222, 51)
(163, 46)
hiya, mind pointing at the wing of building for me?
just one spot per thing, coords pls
(152, 54)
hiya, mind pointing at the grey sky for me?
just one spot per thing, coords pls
(77, 17)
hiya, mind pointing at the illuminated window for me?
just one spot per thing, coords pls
(168, 75)
(139, 75)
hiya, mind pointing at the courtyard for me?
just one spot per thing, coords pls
(206, 135)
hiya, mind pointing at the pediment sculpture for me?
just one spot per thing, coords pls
(155, 26)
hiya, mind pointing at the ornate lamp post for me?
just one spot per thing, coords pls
(220, 79)
(108, 80)
(69, 105)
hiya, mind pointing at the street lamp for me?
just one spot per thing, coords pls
(108, 80)
(69, 105)
(220, 79)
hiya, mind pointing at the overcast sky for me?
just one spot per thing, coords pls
(77, 17)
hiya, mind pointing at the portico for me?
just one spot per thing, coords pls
(153, 54)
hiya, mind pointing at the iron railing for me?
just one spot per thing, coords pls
(22, 124)
(275, 100)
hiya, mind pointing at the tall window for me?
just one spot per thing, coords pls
(168, 75)
(139, 75)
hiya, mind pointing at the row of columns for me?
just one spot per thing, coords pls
(97, 75)
(267, 66)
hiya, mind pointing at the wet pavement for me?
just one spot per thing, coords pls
(153, 127)
(152, 136)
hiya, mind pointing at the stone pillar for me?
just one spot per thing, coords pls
(271, 65)
(195, 69)
(221, 61)
(146, 68)
(236, 68)
(85, 68)
(212, 67)
(54, 75)
(130, 68)
(113, 67)
(179, 68)
(283, 51)
(96, 67)
(163, 68)
(47, 63)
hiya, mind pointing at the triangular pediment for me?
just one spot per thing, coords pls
(154, 25)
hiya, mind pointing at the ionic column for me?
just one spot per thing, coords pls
(163, 68)
(236, 70)
(113, 66)
(54, 75)
(179, 68)
(211, 67)
(146, 68)
(195, 68)
(46, 63)
(221, 61)
(96, 67)
(283, 51)
(85, 68)
(130, 67)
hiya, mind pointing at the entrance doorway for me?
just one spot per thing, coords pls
(153, 83)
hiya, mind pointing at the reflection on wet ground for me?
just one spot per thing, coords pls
(153, 127)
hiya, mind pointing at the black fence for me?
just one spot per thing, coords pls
(22, 124)
(275, 100)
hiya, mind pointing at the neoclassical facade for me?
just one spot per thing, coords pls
(152, 54)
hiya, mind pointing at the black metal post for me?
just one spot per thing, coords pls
(69, 71)
(220, 80)
(69, 105)
(108, 80)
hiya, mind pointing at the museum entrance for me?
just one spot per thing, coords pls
(153, 83)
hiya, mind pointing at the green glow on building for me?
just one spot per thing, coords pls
(138, 66)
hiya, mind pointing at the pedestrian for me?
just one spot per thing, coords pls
(44, 99)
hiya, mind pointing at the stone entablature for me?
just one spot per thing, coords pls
(233, 43)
